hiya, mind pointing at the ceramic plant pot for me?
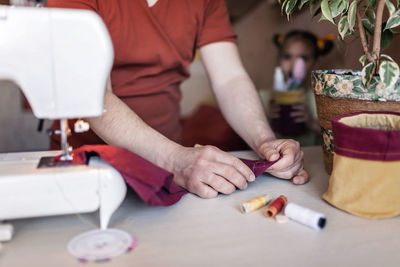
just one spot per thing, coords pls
(339, 92)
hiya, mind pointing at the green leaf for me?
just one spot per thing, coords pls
(386, 39)
(338, 7)
(394, 31)
(283, 5)
(290, 7)
(389, 73)
(317, 11)
(302, 3)
(313, 5)
(370, 15)
(368, 38)
(367, 73)
(352, 15)
(371, 3)
(390, 7)
(343, 27)
(326, 11)
(368, 26)
(387, 57)
(393, 21)
(362, 59)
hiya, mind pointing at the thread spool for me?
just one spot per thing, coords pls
(305, 216)
(275, 207)
(6, 232)
(255, 203)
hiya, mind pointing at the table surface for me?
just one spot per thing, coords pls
(213, 232)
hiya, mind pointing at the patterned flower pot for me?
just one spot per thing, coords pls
(339, 92)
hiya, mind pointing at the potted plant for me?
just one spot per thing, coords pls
(374, 88)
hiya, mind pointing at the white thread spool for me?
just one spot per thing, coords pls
(305, 216)
(6, 232)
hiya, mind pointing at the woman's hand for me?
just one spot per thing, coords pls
(290, 166)
(207, 171)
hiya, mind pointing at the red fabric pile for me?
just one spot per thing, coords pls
(152, 183)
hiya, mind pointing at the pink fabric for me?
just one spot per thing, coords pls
(152, 183)
(365, 143)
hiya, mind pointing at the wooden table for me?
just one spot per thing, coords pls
(199, 232)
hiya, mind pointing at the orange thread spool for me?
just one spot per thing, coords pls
(275, 207)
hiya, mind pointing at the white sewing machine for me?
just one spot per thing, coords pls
(61, 59)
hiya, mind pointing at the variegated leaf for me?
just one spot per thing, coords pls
(343, 27)
(394, 31)
(338, 7)
(313, 5)
(386, 39)
(387, 57)
(362, 59)
(393, 21)
(389, 73)
(290, 7)
(352, 15)
(390, 7)
(302, 3)
(326, 11)
(371, 3)
(368, 26)
(367, 73)
(370, 15)
(283, 5)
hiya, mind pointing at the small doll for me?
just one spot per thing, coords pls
(298, 53)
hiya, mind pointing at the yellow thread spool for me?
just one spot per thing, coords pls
(255, 203)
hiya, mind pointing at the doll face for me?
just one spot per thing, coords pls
(295, 49)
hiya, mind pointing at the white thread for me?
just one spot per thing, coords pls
(6, 232)
(305, 216)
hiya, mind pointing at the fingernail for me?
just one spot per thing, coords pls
(252, 177)
(296, 180)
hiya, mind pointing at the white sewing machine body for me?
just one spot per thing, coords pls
(61, 59)
(26, 191)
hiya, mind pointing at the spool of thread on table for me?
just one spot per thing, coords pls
(255, 203)
(275, 207)
(6, 232)
(305, 216)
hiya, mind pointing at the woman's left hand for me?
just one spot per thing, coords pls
(290, 166)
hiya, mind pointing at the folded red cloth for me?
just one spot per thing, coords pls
(152, 183)
(258, 167)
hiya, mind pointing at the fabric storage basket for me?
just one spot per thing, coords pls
(365, 179)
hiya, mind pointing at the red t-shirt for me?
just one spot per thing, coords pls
(153, 48)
